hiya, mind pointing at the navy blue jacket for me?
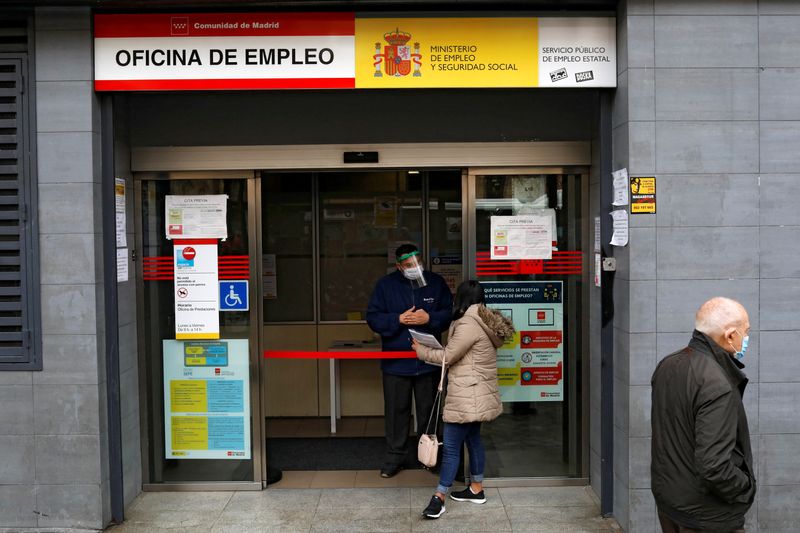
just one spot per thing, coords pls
(393, 296)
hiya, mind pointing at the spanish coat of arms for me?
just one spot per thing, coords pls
(397, 56)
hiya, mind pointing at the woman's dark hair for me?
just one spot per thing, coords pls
(468, 293)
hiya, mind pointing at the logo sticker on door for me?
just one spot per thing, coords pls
(233, 295)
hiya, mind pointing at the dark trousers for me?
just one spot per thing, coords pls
(668, 525)
(397, 411)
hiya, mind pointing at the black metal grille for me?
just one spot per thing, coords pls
(16, 253)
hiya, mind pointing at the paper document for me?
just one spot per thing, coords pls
(426, 339)
(620, 183)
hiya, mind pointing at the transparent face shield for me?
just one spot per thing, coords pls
(411, 267)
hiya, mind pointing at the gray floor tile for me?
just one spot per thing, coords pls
(151, 528)
(563, 520)
(378, 498)
(294, 520)
(275, 499)
(193, 518)
(177, 501)
(546, 497)
(364, 519)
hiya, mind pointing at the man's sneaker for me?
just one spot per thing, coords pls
(467, 495)
(435, 509)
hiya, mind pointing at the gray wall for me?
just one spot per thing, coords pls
(708, 103)
(126, 294)
(52, 428)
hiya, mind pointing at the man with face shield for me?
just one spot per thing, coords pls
(410, 298)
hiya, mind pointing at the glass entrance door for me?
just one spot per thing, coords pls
(200, 386)
(526, 231)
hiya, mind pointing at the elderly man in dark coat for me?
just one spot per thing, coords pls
(702, 464)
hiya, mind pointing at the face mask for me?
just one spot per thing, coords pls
(740, 354)
(412, 273)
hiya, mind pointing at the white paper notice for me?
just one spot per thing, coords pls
(122, 239)
(620, 236)
(196, 217)
(597, 234)
(522, 237)
(119, 194)
(597, 270)
(620, 182)
(119, 199)
(122, 265)
(196, 291)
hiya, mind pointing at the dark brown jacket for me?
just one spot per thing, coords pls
(701, 464)
(471, 353)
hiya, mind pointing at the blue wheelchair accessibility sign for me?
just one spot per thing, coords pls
(233, 295)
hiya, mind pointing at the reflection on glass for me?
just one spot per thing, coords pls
(364, 217)
(541, 438)
(445, 226)
(159, 321)
(288, 245)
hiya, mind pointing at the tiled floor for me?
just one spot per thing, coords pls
(385, 509)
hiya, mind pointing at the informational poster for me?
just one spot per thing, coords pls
(207, 399)
(119, 208)
(196, 216)
(522, 237)
(235, 51)
(530, 367)
(196, 289)
(643, 195)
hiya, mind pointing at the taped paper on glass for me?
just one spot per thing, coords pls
(522, 237)
(196, 216)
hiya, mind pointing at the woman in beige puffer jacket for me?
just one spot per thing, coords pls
(472, 394)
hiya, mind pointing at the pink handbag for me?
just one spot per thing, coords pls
(428, 447)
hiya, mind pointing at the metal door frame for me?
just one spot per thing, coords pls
(258, 451)
(579, 452)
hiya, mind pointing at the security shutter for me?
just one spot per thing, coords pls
(19, 292)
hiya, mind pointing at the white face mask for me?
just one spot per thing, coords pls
(412, 273)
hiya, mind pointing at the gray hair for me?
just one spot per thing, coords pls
(719, 314)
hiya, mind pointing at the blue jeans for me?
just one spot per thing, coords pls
(455, 435)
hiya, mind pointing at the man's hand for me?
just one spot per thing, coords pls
(414, 317)
(421, 317)
(406, 317)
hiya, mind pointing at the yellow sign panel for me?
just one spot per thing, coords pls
(643, 194)
(189, 433)
(643, 185)
(446, 52)
(188, 396)
(508, 376)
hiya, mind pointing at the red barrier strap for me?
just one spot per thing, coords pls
(280, 354)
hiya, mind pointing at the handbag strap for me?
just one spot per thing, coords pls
(437, 402)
